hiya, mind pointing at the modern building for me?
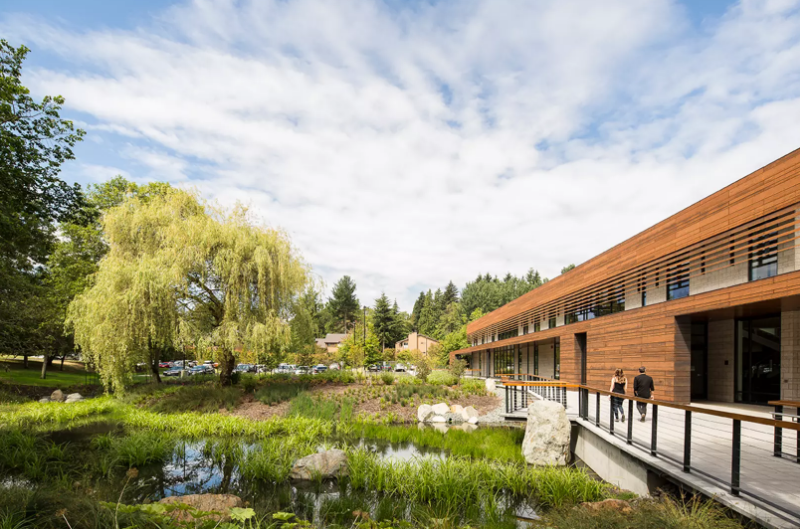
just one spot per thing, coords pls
(331, 342)
(708, 300)
(416, 342)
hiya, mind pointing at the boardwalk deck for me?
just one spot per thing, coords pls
(771, 479)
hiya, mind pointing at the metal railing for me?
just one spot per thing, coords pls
(521, 388)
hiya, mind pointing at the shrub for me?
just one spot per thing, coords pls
(441, 378)
(387, 378)
(457, 368)
(423, 367)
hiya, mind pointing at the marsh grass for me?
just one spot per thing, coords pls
(665, 514)
(277, 392)
(461, 481)
(201, 398)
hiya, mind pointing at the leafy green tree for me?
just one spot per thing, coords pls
(343, 304)
(180, 271)
(567, 268)
(34, 144)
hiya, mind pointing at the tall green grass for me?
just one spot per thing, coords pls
(460, 481)
(277, 392)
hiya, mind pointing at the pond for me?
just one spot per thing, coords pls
(214, 466)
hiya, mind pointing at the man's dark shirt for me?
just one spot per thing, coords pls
(643, 385)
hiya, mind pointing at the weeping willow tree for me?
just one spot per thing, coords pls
(181, 272)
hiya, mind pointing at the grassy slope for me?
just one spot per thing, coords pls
(72, 375)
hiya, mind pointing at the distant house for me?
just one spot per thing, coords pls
(331, 342)
(416, 341)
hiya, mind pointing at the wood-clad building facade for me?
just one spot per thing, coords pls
(708, 300)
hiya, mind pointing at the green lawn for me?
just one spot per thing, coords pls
(72, 375)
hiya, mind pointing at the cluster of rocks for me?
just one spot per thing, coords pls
(59, 396)
(442, 413)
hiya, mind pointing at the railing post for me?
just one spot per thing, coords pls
(630, 422)
(597, 411)
(508, 402)
(736, 456)
(611, 415)
(778, 443)
(654, 432)
(564, 396)
(687, 442)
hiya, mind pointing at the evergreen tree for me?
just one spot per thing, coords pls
(383, 321)
(428, 316)
(450, 295)
(343, 304)
(400, 324)
(567, 268)
(417, 311)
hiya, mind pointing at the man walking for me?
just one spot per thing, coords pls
(643, 388)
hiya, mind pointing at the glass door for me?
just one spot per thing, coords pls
(699, 367)
(758, 360)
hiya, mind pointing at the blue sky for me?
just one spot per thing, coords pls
(412, 143)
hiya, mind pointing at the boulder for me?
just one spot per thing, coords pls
(57, 396)
(547, 433)
(204, 502)
(440, 409)
(472, 420)
(491, 385)
(44, 399)
(438, 419)
(424, 413)
(610, 504)
(74, 397)
(453, 417)
(457, 409)
(327, 464)
(469, 412)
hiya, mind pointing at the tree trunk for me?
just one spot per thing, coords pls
(44, 368)
(155, 358)
(62, 362)
(226, 366)
(25, 361)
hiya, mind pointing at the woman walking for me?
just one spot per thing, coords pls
(619, 384)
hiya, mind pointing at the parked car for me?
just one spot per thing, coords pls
(301, 370)
(373, 368)
(246, 368)
(400, 368)
(164, 364)
(261, 368)
(173, 372)
(202, 370)
(319, 368)
(334, 367)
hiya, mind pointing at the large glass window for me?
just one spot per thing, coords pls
(537, 326)
(504, 360)
(678, 282)
(507, 334)
(536, 359)
(764, 257)
(758, 360)
(551, 323)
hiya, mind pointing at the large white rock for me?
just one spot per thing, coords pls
(74, 397)
(57, 396)
(547, 434)
(491, 385)
(424, 413)
(440, 409)
(327, 464)
(469, 412)
(458, 409)
(438, 419)
(473, 420)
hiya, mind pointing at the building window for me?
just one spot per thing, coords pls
(557, 352)
(504, 360)
(764, 257)
(536, 359)
(733, 253)
(677, 282)
(508, 334)
(537, 326)
(551, 323)
(644, 297)
(524, 329)
(703, 262)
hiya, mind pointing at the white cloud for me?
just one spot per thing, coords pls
(432, 143)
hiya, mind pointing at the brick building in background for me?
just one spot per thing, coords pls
(708, 300)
